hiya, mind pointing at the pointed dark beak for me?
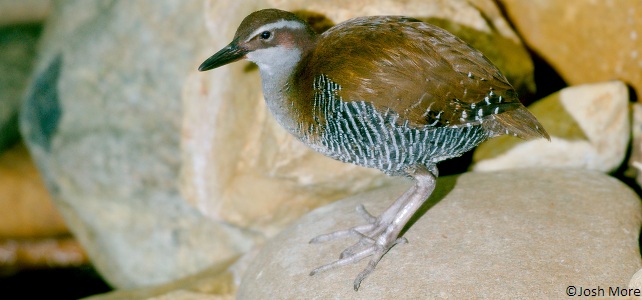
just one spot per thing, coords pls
(229, 54)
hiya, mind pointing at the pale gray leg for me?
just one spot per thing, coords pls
(373, 221)
(382, 233)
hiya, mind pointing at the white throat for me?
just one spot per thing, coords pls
(276, 65)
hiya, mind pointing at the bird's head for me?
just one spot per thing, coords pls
(273, 39)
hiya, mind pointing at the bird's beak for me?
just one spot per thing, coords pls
(229, 54)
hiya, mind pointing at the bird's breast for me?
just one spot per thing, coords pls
(357, 132)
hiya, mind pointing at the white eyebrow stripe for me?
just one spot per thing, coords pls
(278, 24)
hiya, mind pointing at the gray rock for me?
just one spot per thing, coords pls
(636, 280)
(214, 283)
(102, 121)
(526, 233)
(18, 52)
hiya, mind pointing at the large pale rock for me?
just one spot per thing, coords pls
(214, 283)
(636, 281)
(589, 128)
(519, 234)
(584, 41)
(18, 51)
(102, 121)
(240, 166)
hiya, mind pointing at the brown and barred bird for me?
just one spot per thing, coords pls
(385, 92)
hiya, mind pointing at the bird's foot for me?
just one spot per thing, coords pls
(375, 239)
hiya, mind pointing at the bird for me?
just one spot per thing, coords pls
(386, 92)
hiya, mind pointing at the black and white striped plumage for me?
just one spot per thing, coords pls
(356, 132)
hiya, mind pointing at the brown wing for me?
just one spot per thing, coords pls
(422, 72)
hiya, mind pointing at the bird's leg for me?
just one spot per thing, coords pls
(382, 232)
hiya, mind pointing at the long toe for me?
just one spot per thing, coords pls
(345, 261)
(377, 242)
(371, 266)
(376, 257)
(382, 232)
(354, 231)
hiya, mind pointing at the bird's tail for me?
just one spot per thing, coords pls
(518, 122)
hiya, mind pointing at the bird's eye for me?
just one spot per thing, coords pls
(265, 35)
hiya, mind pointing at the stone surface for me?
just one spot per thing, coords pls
(584, 41)
(636, 280)
(515, 234)
(589, 128)
(102, 120)
(23, 11)
(214, 283)
(26, 210)
(240, 166)
(18, 51)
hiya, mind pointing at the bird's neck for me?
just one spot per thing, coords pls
(276, 85)
(280, 93)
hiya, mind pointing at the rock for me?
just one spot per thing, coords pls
(18, 48)
(102, 120)
(584, 42)
(214, 283)
(26, 210)
(526, 233)
(589, 128)
(240, 166)
(636, 280)
(23, 11)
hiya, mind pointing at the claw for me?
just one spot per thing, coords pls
(369, 245)
(381, 233)
(340, 234)
(351, 250)
(345, 261)
(371, 266)
(374, 261)
(375, 239)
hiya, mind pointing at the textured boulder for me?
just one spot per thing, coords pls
(511, 234)
(213, 283)
(102, 121)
